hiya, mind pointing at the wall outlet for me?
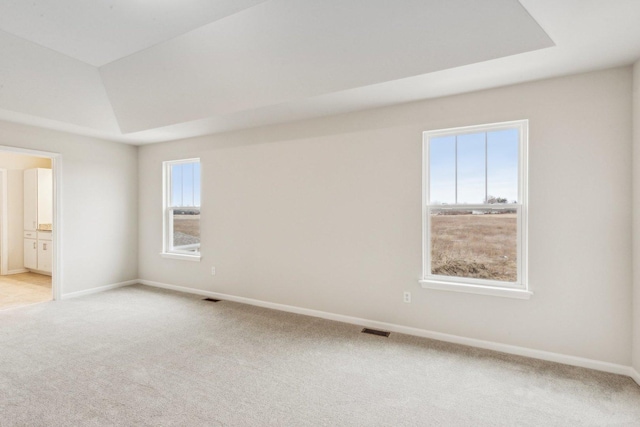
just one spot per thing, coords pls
(213, 271)
(407, 297)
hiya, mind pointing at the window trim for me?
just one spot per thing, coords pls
(167, 228)
(520, 288)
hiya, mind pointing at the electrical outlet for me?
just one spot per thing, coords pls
(213, 271)
(407, 297)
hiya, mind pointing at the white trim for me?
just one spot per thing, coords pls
(634, 375)
(167, 211)
(183, 161)
(183, 257)
(44, 273)
(479, 286)
(476, 289)
(28, 151)
(17, 271)
(489, 345)
(56, 232)
(477, 206)
(98, 289)
(4, 223)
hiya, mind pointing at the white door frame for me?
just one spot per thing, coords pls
(4, 224)
(56, 233)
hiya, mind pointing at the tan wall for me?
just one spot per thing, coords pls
(326, 214)
(13, 161)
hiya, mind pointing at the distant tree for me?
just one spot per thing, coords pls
(493, 200)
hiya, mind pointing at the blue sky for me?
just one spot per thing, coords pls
(185, 184)
(501, 167)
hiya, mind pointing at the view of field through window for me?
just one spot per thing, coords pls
(477, 244)
(186, 228)
(185, 206)
(474, 204)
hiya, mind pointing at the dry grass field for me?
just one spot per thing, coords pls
(478, 246)
(186, 229)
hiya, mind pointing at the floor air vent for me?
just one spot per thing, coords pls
(210, 299)
(375, 332)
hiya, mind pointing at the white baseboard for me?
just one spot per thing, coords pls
(504, 348)
(45, 273)
(17, 271)
(98, 289)
(635, 375)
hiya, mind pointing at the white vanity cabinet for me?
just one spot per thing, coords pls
(38, 216)
(30, 250)
(37, 251)
(44, 251)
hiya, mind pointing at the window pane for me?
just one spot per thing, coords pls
(471, 168)
(187, 184)
(442, 170)
(196, 184)
(186, 229)
(176, 185)
(502, 165)
(479, 244)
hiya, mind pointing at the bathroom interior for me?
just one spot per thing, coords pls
(26, 219)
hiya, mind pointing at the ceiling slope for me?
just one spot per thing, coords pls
(286, 50)
(99, 32)
(38, 82)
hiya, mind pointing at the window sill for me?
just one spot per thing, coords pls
(184, 257)
(476, 289)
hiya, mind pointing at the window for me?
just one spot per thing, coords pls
(475, 209)
(182, 209)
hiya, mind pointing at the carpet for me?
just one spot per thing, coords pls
(139, 356)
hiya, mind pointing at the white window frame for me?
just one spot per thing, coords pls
(519, 288)
(167, 224)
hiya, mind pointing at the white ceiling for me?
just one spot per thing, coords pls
(100, 31)
(149, 71)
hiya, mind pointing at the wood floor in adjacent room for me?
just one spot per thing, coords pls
(24, 289)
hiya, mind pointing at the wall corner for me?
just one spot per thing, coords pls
(635, 121)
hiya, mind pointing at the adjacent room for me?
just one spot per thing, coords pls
(27, 216)
(301, 213)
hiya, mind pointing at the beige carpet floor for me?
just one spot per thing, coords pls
(138, 356)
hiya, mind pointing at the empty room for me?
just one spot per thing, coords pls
(320, 213)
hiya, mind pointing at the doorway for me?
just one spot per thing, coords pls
(29, 229)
